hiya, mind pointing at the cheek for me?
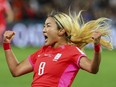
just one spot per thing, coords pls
(53, 32)
(53, 36)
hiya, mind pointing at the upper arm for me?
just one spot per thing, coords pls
(23, 68)
(85, 63)
(27, 65)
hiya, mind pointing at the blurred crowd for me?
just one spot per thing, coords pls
(38, 9)
(32, 12)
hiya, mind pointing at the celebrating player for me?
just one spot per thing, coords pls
(57, 62)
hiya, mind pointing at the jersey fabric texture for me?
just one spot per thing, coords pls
(55, 67)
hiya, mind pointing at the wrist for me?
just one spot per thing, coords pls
(97, 47)
(6, 46)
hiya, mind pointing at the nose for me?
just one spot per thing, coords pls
(44, 30)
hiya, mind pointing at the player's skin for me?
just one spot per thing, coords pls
(55, 38)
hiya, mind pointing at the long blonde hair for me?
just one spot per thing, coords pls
(79, 32)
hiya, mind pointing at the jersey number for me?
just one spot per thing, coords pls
(41, 68)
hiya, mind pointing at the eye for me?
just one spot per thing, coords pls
(48, 25)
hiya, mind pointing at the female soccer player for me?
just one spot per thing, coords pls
(57, 62)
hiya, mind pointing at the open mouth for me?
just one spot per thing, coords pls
(46, 38)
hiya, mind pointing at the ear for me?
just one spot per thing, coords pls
(61, 32)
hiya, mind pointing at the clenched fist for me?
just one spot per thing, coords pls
(8, 36)
(96, 37)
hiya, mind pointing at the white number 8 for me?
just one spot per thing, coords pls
(41, 68)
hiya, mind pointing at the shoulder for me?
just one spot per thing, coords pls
(75, 49)
(43, 49)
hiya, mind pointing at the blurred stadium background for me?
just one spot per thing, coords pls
(28, 20)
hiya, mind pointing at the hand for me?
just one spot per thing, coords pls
(96, 37)
(8, 36)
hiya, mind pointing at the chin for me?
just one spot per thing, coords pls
(49, 44)
(46, 44)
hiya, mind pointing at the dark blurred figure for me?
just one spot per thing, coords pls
(45, 7)
(22, 10)
(113, 11)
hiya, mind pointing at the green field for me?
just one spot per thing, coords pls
(106, 77)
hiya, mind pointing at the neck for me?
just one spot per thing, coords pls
(55, 45)
(59, 43)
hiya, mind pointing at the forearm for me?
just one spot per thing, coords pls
(10, 58)
(15, 67)
(96, 58)
(92, 65)
(9, 13)
(96, 62)
(9, 16)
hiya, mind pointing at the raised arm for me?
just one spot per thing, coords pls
(92, 65)
(9, 12)
(17, 68)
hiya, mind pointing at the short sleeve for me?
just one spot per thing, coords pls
(76, 58)
(33, 57)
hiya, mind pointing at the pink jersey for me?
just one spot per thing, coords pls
(55, 67)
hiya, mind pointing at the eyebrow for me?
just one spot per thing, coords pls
(47, 23)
